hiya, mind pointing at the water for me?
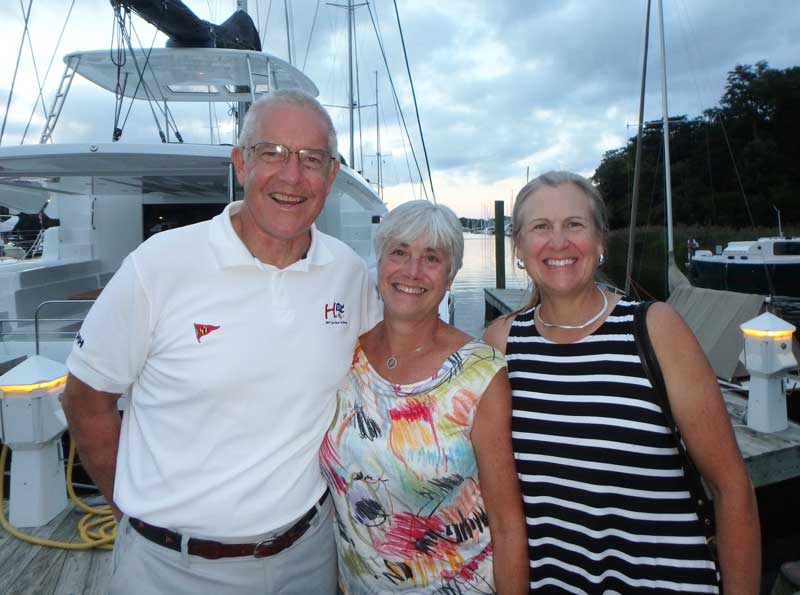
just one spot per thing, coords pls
(477, 273)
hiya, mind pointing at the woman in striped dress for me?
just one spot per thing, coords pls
(607, 503)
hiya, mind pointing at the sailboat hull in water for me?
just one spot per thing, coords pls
(768, 266)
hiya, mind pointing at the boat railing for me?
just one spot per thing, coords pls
(27, 243)
(52, 303)
(20, 327)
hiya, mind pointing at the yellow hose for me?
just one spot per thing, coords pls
(97, 528)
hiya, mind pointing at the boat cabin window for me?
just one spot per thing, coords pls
(160, 217)
(786, 248)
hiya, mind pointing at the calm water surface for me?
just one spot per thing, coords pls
(479, 272)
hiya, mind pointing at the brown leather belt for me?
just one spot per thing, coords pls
(213, 550)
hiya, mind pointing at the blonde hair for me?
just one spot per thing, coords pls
(553, 179)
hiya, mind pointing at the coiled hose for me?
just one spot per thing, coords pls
(97, 528)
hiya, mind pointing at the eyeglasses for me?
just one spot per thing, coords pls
(314, 159)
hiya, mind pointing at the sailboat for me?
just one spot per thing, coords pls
(713, 315)
(108, 196)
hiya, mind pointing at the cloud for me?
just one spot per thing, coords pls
(501, 86)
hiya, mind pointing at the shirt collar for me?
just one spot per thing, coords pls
(230, 250)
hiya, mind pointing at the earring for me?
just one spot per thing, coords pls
(601, 260)
(520, 264)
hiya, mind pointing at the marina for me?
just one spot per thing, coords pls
(773, 460)
(105, 198)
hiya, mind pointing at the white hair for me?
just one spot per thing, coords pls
(286, 97)
(421, 218)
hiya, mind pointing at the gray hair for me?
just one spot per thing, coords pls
(286, 97)
(553, 179)
(421, 218)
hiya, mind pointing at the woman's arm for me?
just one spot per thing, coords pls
(699, 411)
(491, 439)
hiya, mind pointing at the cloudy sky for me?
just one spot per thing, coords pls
(503, 87)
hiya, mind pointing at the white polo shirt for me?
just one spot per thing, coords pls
(233, 367)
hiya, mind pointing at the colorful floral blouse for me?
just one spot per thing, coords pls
(404, 480)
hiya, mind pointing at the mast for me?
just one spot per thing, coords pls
(675, 278)
(350, 109)
(242, 106)
(637, 168)
(378, 138)
(665, 131)
(288, 31)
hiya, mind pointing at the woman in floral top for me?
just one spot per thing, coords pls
(418, 457)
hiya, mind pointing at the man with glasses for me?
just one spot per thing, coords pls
(231, 337)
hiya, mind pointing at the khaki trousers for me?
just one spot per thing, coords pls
(141, 567)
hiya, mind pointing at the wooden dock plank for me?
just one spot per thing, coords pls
(503, 301)
(98, 576)
(31, 569)
(40, 575)
(16, 554)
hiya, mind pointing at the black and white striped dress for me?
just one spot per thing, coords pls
(607, 505)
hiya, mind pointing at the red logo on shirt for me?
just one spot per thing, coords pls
(201, 330)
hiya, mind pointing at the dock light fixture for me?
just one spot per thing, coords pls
(767, 355)
(31, 425)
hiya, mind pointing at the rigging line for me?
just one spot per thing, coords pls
(266, 21)
(655, 184)
(258, 21)
(707, 135)
(47, 72)
(140, 83)
(311, 35)
(119, 58)
(744, 196)
(398, 113)
(358, 100)
(289, 9)
(398, 109)
(16, 68)
(39, 82)
(168, 117)
(125, 36)
(414, 95)
(736, 170)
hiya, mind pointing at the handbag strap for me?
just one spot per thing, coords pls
(652, 369)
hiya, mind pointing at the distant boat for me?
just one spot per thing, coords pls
(767, 266)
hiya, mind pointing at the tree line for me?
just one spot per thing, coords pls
(732, 166)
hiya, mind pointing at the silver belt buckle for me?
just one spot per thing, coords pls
(264, 542)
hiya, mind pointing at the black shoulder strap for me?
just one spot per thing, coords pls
(651, 367)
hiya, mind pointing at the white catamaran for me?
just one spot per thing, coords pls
(96, 201)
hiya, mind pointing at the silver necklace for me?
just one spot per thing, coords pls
(391, 361)
(594, 318)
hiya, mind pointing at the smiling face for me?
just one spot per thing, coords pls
(412, 278)
(282, 200)
(559, 242)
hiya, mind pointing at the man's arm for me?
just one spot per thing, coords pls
(94, 424)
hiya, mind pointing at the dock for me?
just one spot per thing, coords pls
(29, 569)
(770, 458)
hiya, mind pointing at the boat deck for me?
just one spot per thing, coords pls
(32, 569)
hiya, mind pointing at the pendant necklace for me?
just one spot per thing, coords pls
(391, 361)
(593, 319)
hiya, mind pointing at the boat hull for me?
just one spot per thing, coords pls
(747, 278)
